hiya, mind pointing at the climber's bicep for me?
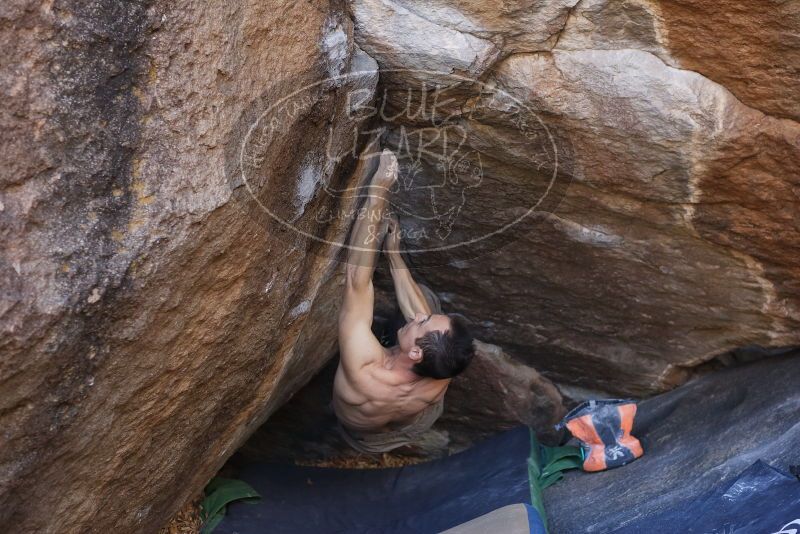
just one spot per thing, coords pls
(357, 344)
(358, 301)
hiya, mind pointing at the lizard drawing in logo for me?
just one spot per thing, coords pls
(434, 190)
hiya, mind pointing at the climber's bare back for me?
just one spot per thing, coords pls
(374, 397)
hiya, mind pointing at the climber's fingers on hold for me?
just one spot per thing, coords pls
(392, 242)
(386, 175)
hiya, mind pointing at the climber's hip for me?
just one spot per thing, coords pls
(385, 441)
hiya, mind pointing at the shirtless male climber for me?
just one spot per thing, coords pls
(386, 397)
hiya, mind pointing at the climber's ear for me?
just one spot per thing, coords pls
(415, 354)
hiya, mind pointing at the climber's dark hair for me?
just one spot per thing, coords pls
(446, 354)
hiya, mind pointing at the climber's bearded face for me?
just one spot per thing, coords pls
(409, 335)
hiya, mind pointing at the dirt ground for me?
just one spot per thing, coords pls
(186, 521)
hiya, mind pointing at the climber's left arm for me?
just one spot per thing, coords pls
(410, 297)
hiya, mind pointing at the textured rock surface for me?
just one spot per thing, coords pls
(495, 393)
(695, 438)
(152, 317)
(148, 321)
(673, 237)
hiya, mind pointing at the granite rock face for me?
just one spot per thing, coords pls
(608, 189)
(617, 199)
(149, 319)
(496, 393)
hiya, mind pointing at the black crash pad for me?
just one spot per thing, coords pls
(762, 500)
(698, 439)
(424, 498)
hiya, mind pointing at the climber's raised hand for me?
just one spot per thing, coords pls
(391, 244)
(386, 175)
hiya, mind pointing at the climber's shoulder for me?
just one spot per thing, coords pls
(358, 346)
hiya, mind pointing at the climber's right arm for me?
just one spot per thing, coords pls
(357, 344)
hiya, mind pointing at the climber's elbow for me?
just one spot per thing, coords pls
(358, 278)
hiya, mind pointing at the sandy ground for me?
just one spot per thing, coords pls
(186, 521)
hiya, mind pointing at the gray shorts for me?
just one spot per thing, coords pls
(379, 442)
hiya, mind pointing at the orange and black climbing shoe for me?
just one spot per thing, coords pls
(604, 429)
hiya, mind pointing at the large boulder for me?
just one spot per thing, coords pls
(622, 209)
(621, 202)
(150, 316)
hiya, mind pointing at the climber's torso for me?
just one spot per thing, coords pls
(378, 396)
